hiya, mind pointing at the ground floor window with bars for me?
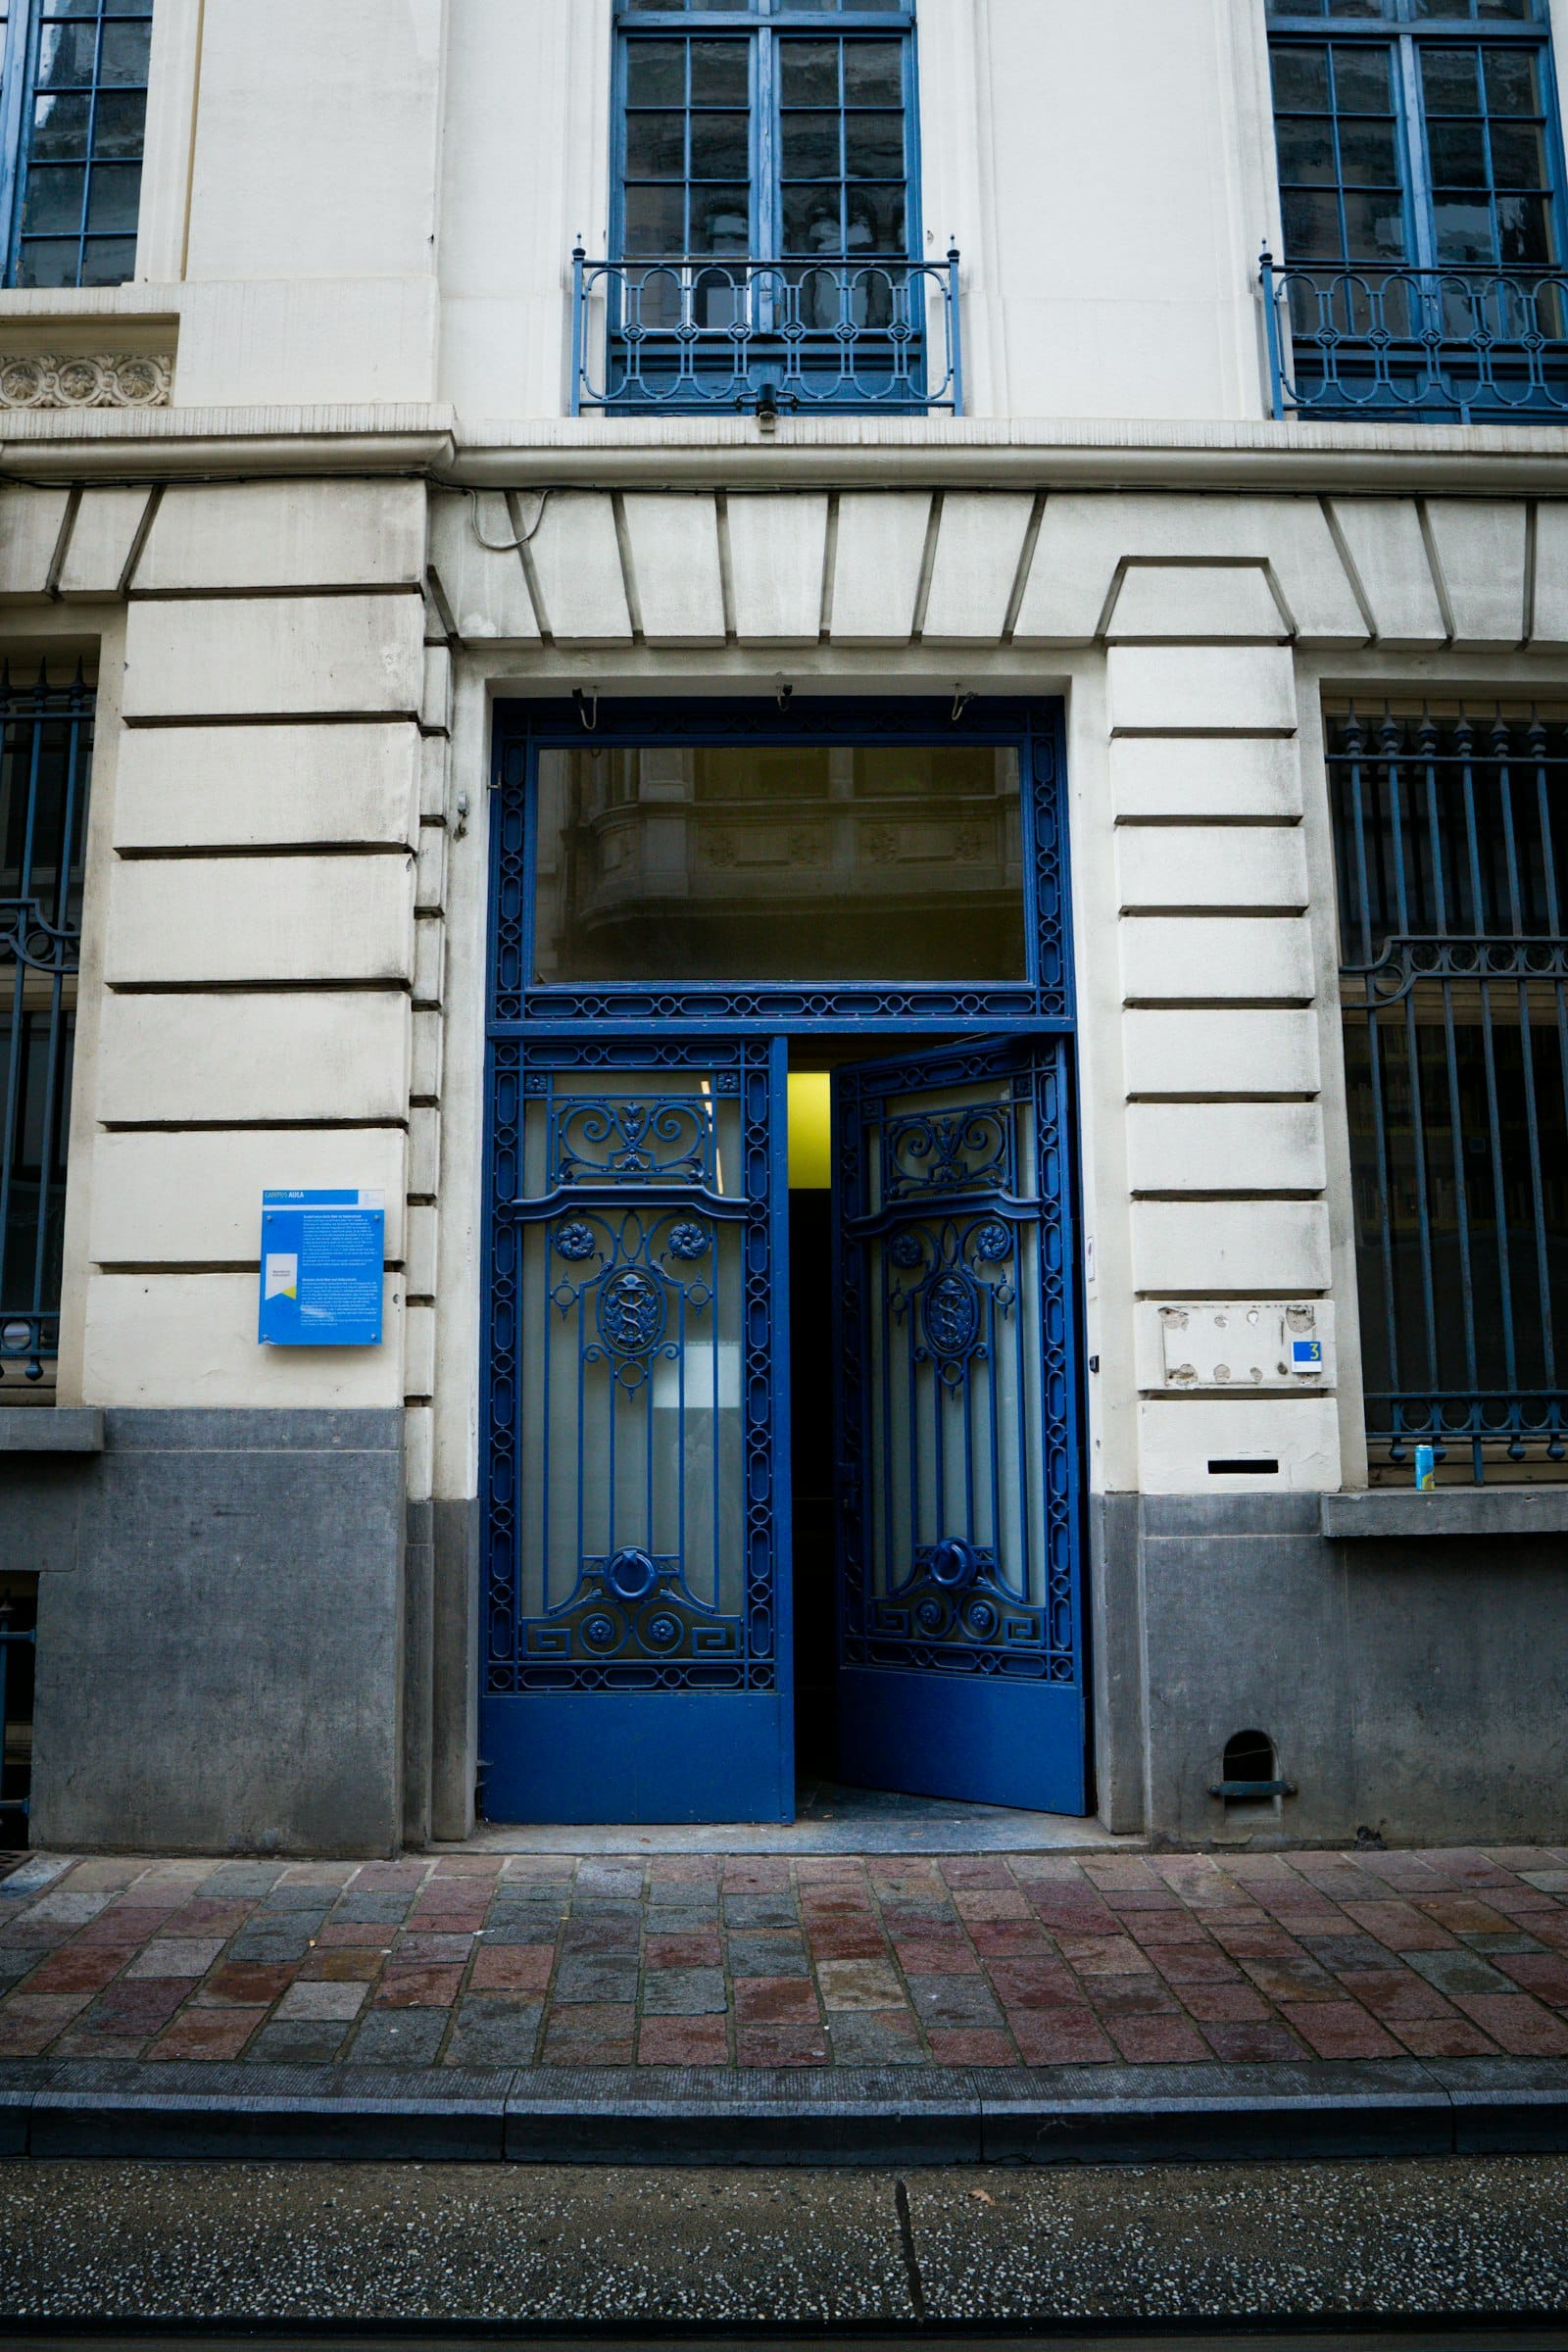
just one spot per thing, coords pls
(45, 759)
(1451, 842)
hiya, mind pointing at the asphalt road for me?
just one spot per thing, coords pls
(565, 2248)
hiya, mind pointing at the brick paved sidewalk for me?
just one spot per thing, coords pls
(486, 1960)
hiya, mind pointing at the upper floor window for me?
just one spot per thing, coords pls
(72, 115)
(770, 133)
(764, 234)
(1421, 185)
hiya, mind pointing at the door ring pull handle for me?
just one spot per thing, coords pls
(631, 1574)
(955, 1565)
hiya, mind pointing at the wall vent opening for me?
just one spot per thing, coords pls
(1227, 1468)
(1249, 1773)
(1249, 1756)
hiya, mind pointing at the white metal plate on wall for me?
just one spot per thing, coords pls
(1238, 1344)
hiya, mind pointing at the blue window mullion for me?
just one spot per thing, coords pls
(1420, 218)
(13, 88)
(92, 144)
(688, 127)
(768, 203)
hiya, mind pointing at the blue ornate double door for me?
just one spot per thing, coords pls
(640, 1626)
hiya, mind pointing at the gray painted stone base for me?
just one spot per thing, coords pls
(419, 1600)
(1414, 1688)
(455, 1667)
(221, 1633)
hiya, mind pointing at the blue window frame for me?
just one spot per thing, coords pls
(1421, 194)
(73, 118)
(765, 206)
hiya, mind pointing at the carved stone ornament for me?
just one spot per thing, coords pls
(86, 380)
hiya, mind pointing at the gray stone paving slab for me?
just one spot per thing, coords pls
(1459, 1972)
(400, 2038)
(771, 1953)
(684, 1992)
(491, 2030)
(296, 2042)
(595, 1979)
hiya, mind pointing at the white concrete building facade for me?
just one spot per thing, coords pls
(455, 691)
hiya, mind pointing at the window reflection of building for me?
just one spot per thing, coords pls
(807, 863)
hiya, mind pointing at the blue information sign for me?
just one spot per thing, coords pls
(323, 1255)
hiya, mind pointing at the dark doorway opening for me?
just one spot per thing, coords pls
(815, 1472)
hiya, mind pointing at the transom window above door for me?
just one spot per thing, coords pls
(802, 861)
(1421, 188)
(765, 237)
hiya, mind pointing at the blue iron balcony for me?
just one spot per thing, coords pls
(1442, 346)
(694, 337)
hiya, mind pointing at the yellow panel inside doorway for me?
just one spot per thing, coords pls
(810, 1131)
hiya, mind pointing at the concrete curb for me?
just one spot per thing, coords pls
(710, 2115)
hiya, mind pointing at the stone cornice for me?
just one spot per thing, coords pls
(151, 443)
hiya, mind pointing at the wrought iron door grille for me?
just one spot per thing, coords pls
(45, 757)
(633, 1519)
(959, 1431)
(1451, 843)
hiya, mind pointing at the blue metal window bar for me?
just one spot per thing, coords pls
(1451, 842)
(764, 234)
(1421, 190)
(72, 121)
(45, 757)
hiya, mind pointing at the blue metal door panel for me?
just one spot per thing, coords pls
(978, 1738)
(637, 1437)
(638, 1756)
(960, 1620)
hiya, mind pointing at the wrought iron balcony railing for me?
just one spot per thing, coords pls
(704, 334)
(1461, 346)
